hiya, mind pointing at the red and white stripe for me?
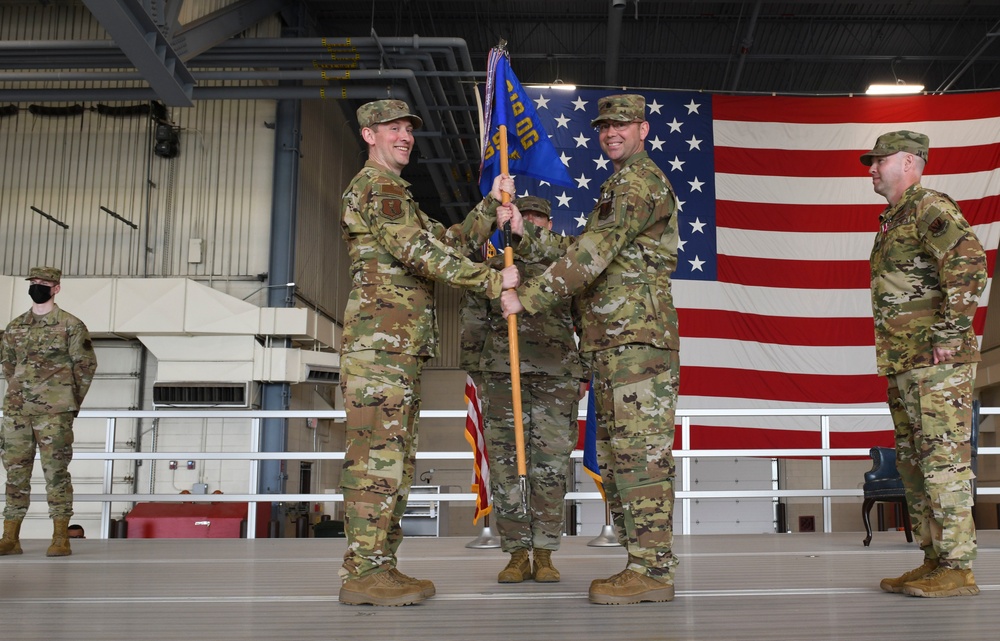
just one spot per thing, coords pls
(476, 436)
(788, 323)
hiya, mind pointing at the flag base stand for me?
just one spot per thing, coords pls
(606, 539)
(485, 540)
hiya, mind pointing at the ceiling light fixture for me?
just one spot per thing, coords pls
(561, 86)
(889, 90)
(899, 88)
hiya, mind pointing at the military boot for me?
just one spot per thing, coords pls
(630, 587)
(896, 584)
(543, 569)
(943, 582)
(60, 538)
(383, 588)
(11, 542)
(518, 568)
(426, 587)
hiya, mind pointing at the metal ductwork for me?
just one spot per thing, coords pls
(434, 75)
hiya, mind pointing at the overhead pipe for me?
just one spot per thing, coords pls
(745, 45)
(274, 52)
(125, 94)
(616, 8)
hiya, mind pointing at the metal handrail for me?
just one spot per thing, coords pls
(684, 494)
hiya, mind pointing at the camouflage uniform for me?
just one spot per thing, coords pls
(49, 363)
(550, 382)
(619, 270)
(928, 270)
(390, 330)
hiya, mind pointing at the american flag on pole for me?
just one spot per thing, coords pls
(476, 436)
(777, 219)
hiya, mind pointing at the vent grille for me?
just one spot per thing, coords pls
(322, 376)
(185, 394)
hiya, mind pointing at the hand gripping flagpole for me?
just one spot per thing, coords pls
(515, 358)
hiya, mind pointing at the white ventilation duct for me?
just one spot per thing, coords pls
(210, 347)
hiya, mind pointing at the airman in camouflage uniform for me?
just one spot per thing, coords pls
(49, 363)
(550, 391)
(928, 270)
(390, 330)
(619, 270)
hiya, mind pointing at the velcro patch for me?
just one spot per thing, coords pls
(391, 190)
(391, 208)
(605, 212)
(939, 227)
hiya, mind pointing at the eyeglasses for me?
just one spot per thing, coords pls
(617, 126)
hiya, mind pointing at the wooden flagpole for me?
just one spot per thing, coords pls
(515, 357)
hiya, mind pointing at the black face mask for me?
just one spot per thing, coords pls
(40, 293)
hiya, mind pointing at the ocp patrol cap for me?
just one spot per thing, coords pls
(626, 107)
(535, 204)
(379, 111)
(51, 274)
(895, 141)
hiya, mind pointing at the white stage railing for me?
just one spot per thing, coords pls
(684, 455)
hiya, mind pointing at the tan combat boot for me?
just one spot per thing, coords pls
(426, 587)
(543, 569)
(518, 568)
(383, 588)
(630, 587)
(11, 542)
(60, 538)
(896, 585)
(943, 582)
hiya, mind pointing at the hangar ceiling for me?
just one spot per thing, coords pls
(432, 52)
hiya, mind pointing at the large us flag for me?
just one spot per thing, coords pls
(777, 218)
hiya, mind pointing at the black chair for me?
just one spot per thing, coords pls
(882, 483)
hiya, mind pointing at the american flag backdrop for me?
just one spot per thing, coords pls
(777, 219)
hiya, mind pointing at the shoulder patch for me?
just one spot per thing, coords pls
(391, 208)
(389, 189)
(389, 199)
(606, 212)
(939, 227)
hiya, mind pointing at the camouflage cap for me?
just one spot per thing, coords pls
(52, 274)
(626, 107)
(535, 204)
(895, 141)
(379, 111)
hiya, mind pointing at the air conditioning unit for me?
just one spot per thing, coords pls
(202, 394)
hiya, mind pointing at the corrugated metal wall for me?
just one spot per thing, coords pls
(203, 214)
(62, 175)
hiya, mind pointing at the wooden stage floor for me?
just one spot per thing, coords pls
(767, 587)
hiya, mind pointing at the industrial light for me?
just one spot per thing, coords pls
(889, 90)
(561, 86)
(895, 89)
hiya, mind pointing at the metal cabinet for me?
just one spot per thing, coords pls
(423, 514)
